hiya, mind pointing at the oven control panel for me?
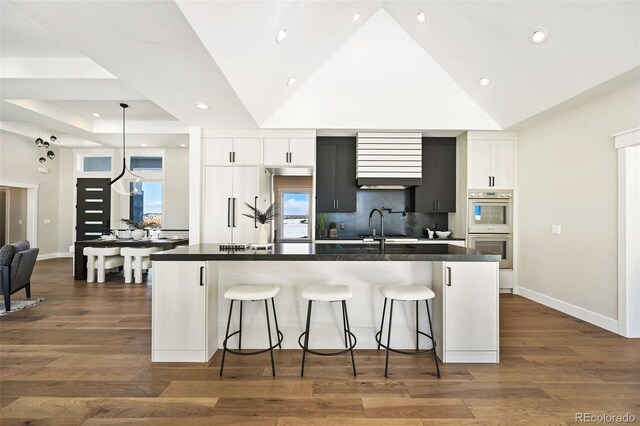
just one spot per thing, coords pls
(477, 193)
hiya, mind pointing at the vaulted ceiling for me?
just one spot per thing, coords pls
(62, 61)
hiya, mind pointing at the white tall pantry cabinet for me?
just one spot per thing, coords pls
(232, 178)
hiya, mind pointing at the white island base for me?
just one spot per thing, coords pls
(190, 314)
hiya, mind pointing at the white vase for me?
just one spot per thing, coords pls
(263, 234)
(138, 234)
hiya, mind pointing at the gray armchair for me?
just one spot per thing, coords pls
(16, 261)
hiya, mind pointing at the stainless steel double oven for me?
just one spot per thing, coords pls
(491, 223)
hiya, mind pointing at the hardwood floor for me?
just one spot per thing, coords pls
(83, 357)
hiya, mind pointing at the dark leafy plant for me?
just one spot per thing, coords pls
(261, 216)
(333, 225)
(140, 224)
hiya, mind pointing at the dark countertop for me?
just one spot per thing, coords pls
(358, 238)
(329, 252)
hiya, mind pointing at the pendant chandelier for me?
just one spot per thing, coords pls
(118, 184)
(41, 143)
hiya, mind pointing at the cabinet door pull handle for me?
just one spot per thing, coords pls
(290, 157)
(234, 156)
(448, 276)
(438, 205)
(493, 181)
(234, 212)
(230, 157)
(201, 275)
(228, 212)
(255, 206)
(337, 204)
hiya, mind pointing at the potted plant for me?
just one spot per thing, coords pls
(262, 218)
(322, 225)
(139, 227)
(333, 230)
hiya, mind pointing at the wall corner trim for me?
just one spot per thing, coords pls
(596, 319)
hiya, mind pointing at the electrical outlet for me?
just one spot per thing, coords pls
(341, 225)
(556, 229)
(19, 221)
(47, 221)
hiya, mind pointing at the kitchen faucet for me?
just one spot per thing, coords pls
(382, 237)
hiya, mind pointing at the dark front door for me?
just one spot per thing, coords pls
(93, 208)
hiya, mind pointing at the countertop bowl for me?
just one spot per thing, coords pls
(443, 234)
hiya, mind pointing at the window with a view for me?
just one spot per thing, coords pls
(146, 202)
(146, 164)
(295, 215)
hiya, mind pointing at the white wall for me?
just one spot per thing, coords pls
(567, 175)
(66, 206)
(19, 162)
(176, 189)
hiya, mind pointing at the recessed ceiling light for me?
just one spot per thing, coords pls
(95, 114)
(282, 34)
(143, 144)
(484, 81)
(291, 80)
(355, 17)
(202, 106)
(421, 17)
(183, 145)
(538, 36)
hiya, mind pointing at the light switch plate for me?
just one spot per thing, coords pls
(47, 221)
(556, 229)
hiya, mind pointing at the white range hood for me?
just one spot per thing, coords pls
(389, 160)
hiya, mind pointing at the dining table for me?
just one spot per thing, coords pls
(80, 265)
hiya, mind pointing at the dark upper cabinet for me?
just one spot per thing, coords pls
(336, 174)
(437, 194)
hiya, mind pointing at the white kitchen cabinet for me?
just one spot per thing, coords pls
(184, 311)
(465, 309)
(289, 151)
(232, 151)
(490, 164)
(227, 189)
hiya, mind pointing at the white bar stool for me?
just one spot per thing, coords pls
(408, 293)
(136, 259)
(252, 293)
(101, 258)
(328, 293)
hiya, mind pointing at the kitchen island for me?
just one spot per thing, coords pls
(189, 312)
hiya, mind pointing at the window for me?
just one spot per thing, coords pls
(146, 164)
(295, 215)
(96, 164)
(146, 203)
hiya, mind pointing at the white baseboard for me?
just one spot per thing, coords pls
(575, 311)
(47, 256)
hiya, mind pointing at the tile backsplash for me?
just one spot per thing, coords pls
(396, 222)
